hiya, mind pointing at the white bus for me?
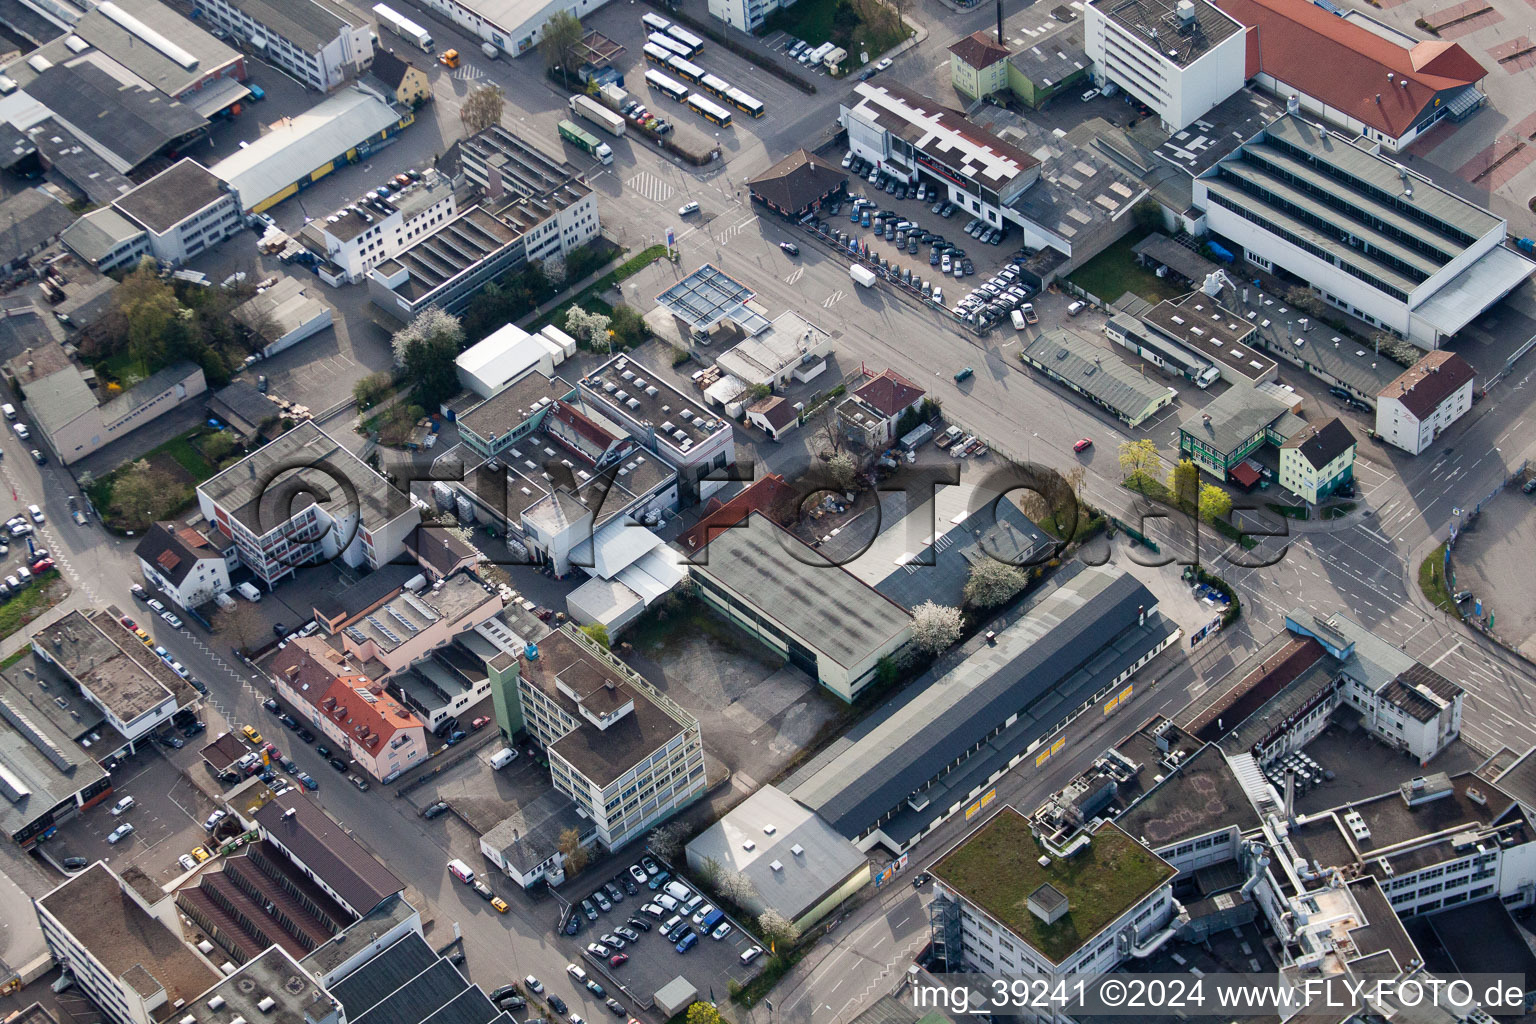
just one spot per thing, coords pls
(685, 37)
(711, 112)
(655, 22)
(667, 43)
(671, 88)
(744, 103)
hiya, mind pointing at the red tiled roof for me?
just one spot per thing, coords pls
(762, 496)
(1346, 65)
(979, 50)
(889, 393)
(1423, 386)
(319, 674)
(583, 426)
(1244, 474)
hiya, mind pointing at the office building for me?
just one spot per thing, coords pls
(267, 504)
(534, 207)
(1427, 398)
(1357, 72)
(119, 948)
(365, 233)
(393, 636)
(745, 15)
(804, 606)
(1370, 236)
(909, 768)
(1011, 903)
(1179, 57)
(1318, 460)
(188, 567)
(664, 421)
(319, 42)
(172, 217)
(628, 756)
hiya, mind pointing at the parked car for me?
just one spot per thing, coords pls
(618, 959)
(120, 833)
(434, 810)
(533, 984)
(213, 819)
(1082, 445)
(337, 763)
(638, 873)
(123, 806)
(249, 733)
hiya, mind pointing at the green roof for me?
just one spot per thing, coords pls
(998, 866)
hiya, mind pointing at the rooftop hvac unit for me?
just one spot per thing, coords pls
(777, 865)
(652, 392)
(797, 850)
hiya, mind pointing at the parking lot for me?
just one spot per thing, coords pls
(652, 960)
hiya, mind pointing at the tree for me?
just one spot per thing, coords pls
(703, 1013)
(1304, 299)
(427, 348)
(597, 633)
(575, 854)
(1138, 458)
(431, 322)
(992, 582)
(142, 493)
(1184, 484)
(628, 326)
(241, 626)
(590, 329)
(843, 470)
(828, 435)
(482, 109)
(935, 627)
(218, 446)
(372, 388)
(709, 872)
(667, 840)
(149, 307)
(777, 928)
(1215, 503)
(737, 888)
(845, 21)
(562, 35)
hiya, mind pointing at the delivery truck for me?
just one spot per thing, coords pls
(587, 107)
(863, 275)
(403, 27)
(573, 134)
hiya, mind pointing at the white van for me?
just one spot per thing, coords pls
(458, 869)
(665, 901)
(678, 891)
(9, 410)
(1018, 320)
(503, 757)
(249, 592)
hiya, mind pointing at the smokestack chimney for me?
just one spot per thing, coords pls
(1000, 24)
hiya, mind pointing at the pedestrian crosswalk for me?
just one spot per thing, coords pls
(795, 275)
(736, 229)
(468, 73)
(836, 296)
(650, 186)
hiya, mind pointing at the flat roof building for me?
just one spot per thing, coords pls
(267, 504)
(326, 852)
(1048, 907)
(320, 42)
(903, 772)
(334, 132)
(609, 735)
(800, 603)
(1202, 325)
(118, 949)
(30, 220)
(283, 315)
(1179, 57)
(797, 864)
(143, 121)
(1099, 376)
(1371, 236)
(46, 776)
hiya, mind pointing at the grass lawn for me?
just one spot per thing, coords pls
(48, 591)
(998, 867)
(589, 300)
(1432, 580)
(1115, 271)
(179, 457)
(122, 367)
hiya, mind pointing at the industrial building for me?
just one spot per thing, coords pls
(364, 234)
(319, 42)
(282, 315)
(512, 26)
(534, 207)
(809, 609)
(172, 217)
(907, 769)
(1076, 363)
(1370, 236)
(298, 151)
